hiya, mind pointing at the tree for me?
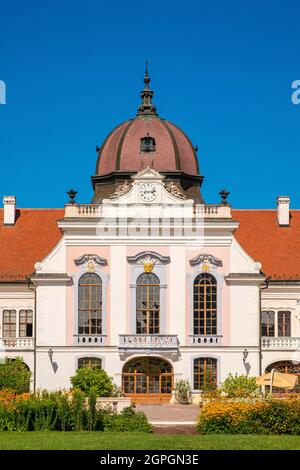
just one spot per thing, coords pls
(15, 376)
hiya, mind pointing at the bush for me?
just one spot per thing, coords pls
(60, 412)
(183, 391)
(239, 386)
(96, 379)
(127, 421)
(258, 417)
(14, 376)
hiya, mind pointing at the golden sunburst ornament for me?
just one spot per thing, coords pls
(148, 266)
(205, 266)
(91, 266)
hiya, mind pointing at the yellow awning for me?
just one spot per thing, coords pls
(280, 380)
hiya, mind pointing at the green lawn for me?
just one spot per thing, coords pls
(130, 441)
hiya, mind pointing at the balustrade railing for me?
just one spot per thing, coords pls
(280, 342)
(205, 340)
(17, 343)
(89, 340)
(162, 342)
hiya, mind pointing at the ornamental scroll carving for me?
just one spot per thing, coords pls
(205, 259)
(174, 189)
(121, 189)
(90, 260)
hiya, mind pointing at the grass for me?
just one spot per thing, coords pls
(131, 441)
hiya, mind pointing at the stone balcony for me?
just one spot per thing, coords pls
(17, 344)
(135, 343)
(90, 340)
(280, 342)
(205, 340)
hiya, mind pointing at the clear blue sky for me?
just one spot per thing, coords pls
(222, 70)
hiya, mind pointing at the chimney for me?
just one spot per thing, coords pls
(9, 203)
(283, 210)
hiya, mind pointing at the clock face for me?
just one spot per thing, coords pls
(148, 191)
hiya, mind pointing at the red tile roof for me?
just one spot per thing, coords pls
(36, 233)
(28, 241)
(277, 248)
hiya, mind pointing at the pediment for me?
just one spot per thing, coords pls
(148, 174)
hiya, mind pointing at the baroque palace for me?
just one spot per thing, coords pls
(148, 281)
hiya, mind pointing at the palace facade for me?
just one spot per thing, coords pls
(148, 281)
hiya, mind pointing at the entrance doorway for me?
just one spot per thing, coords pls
(148, 380)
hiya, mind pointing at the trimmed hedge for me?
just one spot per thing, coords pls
(269, 416)
(59, 412)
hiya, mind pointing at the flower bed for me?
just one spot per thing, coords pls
(270, 416)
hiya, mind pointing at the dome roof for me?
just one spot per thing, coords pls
(147, 140)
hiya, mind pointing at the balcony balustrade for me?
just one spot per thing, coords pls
(17, 344)
(280, 342)
(148, 342)
(205, 340)
(89, 340)
(96, 211)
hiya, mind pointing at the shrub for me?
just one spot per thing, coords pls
(183, 391)
(239, 386)
(59, 412)
(14, 376)
(128, 420)
(85, 379)
(269, 416)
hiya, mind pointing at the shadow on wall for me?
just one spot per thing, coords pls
(247, 367)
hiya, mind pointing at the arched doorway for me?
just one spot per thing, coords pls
(287, 367)
(148, 380)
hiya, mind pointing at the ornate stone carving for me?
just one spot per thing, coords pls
(174, 189)
(91, 261)
(206, 261)
(121, 189)
(148, 259)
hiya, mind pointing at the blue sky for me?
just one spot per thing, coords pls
(221, 70)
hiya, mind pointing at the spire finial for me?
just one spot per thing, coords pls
(146, 107)
(146, 76)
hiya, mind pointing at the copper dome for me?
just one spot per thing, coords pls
(147, 140)
(123, 149)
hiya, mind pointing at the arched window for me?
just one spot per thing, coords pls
(205, 305)
(147, 304)
(89, 363)
(90, 305)
(205, 373)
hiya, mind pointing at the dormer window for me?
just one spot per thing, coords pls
(148, 144)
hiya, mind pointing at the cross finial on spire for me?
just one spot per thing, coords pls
(146, 107)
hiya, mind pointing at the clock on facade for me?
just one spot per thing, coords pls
(148, 191)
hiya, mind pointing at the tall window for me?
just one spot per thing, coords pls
(9, 323)
(90, 305)
(205, 372)
(25, 323)
(205, 305)
(268, 323)
(284, 323)
(89, 363)
(147, 304)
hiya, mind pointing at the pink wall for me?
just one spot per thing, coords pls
(132, 251)
(72, 253)
(223, 253)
